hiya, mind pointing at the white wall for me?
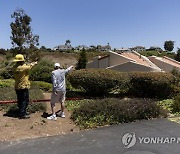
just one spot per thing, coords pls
(133, 67)
(116, 59)
(104, 62)
(93, 64)
(163, 65)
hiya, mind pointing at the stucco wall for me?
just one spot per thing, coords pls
(104, 63)
(93, 64)
(132, 67)
(116, 59)
(163, 65)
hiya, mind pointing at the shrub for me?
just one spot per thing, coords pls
(97, 81)
(166, 104)
(151, 84)
(95, 113)
(42, 71)
(45, 86)
(6, 73)
(8, 93)
(6, 83)
(176, 104)
(137, 84)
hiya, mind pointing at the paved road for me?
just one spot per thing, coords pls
(106, 140)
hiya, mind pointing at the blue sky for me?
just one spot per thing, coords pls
(122, 23)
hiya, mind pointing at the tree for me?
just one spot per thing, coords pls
(21, 31)
(169, 45)
(2, 51)
(82, 61)
(68, 42)
(177, 57)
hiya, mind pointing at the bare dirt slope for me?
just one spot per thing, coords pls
(37, 126)
(65, 59)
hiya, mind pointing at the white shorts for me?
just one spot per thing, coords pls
(59, 97)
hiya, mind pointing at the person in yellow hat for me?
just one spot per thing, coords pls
(21, 75)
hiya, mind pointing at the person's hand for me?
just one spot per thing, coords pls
(72, 68)
(55, 92)
(34, 63)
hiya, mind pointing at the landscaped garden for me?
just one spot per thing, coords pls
(108, 97)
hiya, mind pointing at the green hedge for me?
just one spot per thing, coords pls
(97, 81)
(110, 111)
(152, 84)
(137, 84)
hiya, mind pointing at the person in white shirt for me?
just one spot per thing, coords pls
(59, 90)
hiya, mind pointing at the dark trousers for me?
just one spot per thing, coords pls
(23, 100)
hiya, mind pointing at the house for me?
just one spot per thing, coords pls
(165, 63)
(104, 48)
(124, 62)
(133, 61)
(120, 50)
(64, 47)
(81, 47)
(138, 48)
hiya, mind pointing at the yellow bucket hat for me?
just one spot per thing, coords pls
(19, 57)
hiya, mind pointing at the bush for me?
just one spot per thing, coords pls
(151, 84)
(8, 93)
(137, 84)
(95, 113)
(42, 71)
(166, 104)
(176, 104)
(6, 73)
(97, 81)
(47, 87)
(6, 83)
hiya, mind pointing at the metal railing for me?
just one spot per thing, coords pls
(36, 101)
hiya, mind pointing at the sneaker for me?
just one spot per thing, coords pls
(61, 114)
(52, 117)
(24, 117)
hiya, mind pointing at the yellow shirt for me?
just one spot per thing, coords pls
(21, 76)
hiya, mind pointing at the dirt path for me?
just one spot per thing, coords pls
(37, 126)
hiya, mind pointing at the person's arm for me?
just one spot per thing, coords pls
(33, 63)
(54, 81)
(68, 69)
(28, 66)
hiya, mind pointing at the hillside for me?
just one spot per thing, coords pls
(65, 59)
(158, 54)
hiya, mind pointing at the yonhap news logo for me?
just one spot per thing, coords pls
(130, 139)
